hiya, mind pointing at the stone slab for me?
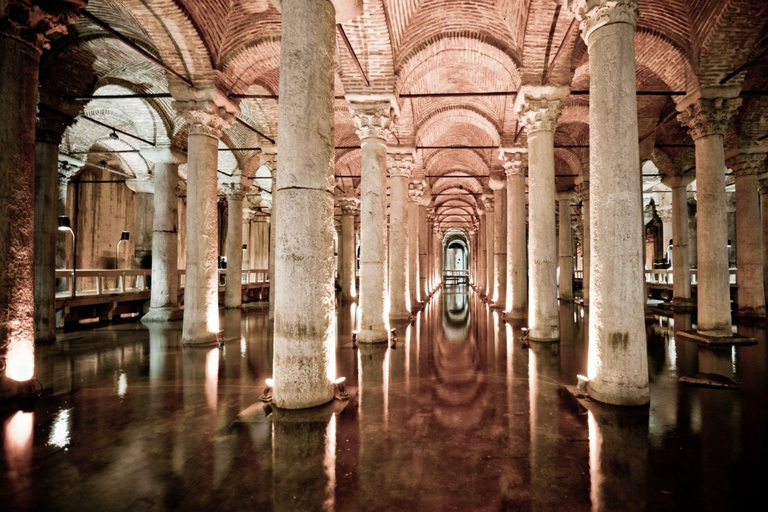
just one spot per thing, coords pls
(705, 340)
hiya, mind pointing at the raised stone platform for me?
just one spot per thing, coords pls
(703, 339)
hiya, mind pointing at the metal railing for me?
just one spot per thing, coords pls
(665, 276)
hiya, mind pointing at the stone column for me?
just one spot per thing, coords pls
(681, 267)
(233, 293)
(207, 113)
(144, 188)
(350, 206)
(304, 293)
(565, 246)
(763, 184)
(515, 164)
(269, 158)
(423, 251)
(164, 294)
(374, 123)
(539, 108)
(749, 243)
(24, 31)
(68, 168)
(51, 124)
(617, 361)
(415, 192)
(400, 165)
(431, 251)
(582, 185)
(498, 184)
(707, 120)
(482, 250)
(437, 263)
(490, 244)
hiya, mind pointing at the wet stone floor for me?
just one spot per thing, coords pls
(458, 415)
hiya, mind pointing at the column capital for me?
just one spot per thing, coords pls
(708, 116)
(416, 191)
(234, 190)
(400, 161)
(488, 203)
(569, 196)
(593, 14)
(52, 122)
(163, 155)
(68, 167)
(141, 185)
(496, 180)
(349, 205)
(747, 164)
(514, 160)
(374, 115)
(205, 108)
(32, 24)
(678, 180)
(268, 156)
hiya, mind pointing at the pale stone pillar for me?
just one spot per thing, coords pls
(423, 251)
(374, 123)
(707, 120)
(565, 246)
(269, 158)
(482, 251)
(617, 360)
(233, 293)
(498, 185)
(681, 267)
(515, 164)
(207, 113)
(145, 201)
(490, 244)
(539, 108)
(164, 294)
(350, 206)
(400, 165)
(763, 183)
(415, 193)
(583, 190)
(438, 262)
(304, 294)
(431, 251)
(749, 257)
(68, 168)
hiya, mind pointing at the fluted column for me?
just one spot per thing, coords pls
(24, 31)
(415, 193)
(617, 363)
(400, 165)
(681, 267)
(565, 246)
(164, 294)
(707, 120)
(350, 206)
(490, 241)
(207, 113)
(749, 244)
(233, 293)
(515, 164)
(374, 124)
(539, 109)
(499, 184)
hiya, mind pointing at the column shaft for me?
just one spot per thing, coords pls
(490, 247)
(46, 192)
(586, 251)
(413, 249)
(565, 249)
(398, 243)
(349, 207)
(423, 254)
(142, 251)
(500, 248)
(517, 249)
(681, 268)
(233, 293)
(764, 227)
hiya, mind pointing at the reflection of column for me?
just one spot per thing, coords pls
(618, 363)
(233, 294)
(415, 193)
(707, 120)
(164, 295)
(304, 323)
(350, 206)
(498, 184)
(681, 269)
(749, 258)
(515, 164)
(374, 123)
(207, 113)
(544, 398)
(400, 165)
(490, 241)
(565, 246)
(373, 400)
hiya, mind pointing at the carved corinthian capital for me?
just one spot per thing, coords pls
(709, 116)
(415, 191)
(32, 22)
(372, 119)
(400, 162)
(747, 164)
(540, 114)
(593, 14)
(514, 160)
(349, 205)
(204, 117)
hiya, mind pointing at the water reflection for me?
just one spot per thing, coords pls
(18, 435)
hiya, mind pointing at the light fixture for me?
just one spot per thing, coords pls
(113, 135)
(266, 395)
(581, 386)
(339, 383)
(66, 225)
(124, 237)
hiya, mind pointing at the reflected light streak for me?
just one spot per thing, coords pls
(408, 358)
(329, 464)
(243, 346)
(594, 454)
(385, 388)
(122, 385)
(20, 359)
(60, 436)
(211, 377)
(18, 449)
(672, 354)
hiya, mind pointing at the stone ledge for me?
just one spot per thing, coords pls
(705, 340)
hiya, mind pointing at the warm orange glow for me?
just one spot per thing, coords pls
(329, 464)
(21, 358)
(18, 449)
(212, 377)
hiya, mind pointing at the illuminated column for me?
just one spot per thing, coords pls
(565, 246)
(749, 258)
(423, 249)
(681, 268)
(269, 159)
(415, 192)
(68, 168)
(707, 120)
(24, 31)
(582, 185)
(350, 206)
(144, 187)
(373, 119)
(490, 245)
(438, 261)
(482, 250)
(617, 360)
(233, 293)
(498, 185)
(400, 165)
(207, 113)
(538, 109)
(431, 250)
(164, 295)
(763, 183)
(515, 164)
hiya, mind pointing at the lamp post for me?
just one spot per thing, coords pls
(66, 225)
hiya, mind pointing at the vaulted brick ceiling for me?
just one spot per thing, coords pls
(418, 50)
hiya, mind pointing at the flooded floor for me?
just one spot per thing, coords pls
(458, 415)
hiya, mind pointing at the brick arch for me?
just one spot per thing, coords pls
(663, 162)
(752, 121)
(570, 160)
(254, 62)
(666, 59)
(348, 164)
(160, 108)
(477, 127)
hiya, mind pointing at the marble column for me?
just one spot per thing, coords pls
(269, 158)
(423, 251)
(373, 120)
(565, 246)
(490, 244)
(400, 165)
(437, 262)
(350, 206)
(707, 120)
(515, 164)
(431, 251)
(482, 250)
(617, 363)
(539, 108)
(24, 31)
(749, 243)
(144, 227)
(415, 193)
(582, 185)
(498, 184)
(681, 267)
(233, 293)
(763, 184)
(164, 294)
(207, 113)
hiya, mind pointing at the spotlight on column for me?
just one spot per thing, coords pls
(339, 383)
(266, 395)
(581, 386)
(393, 337)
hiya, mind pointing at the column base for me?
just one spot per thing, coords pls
(683, 305)
(616, 394)
(515, 315)
(544, 334)
(751, 312)
(208, 340)
(11, 389)
(710, 340)
(400, 318)
(165, 314)
(372, 336)
(496, 305)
